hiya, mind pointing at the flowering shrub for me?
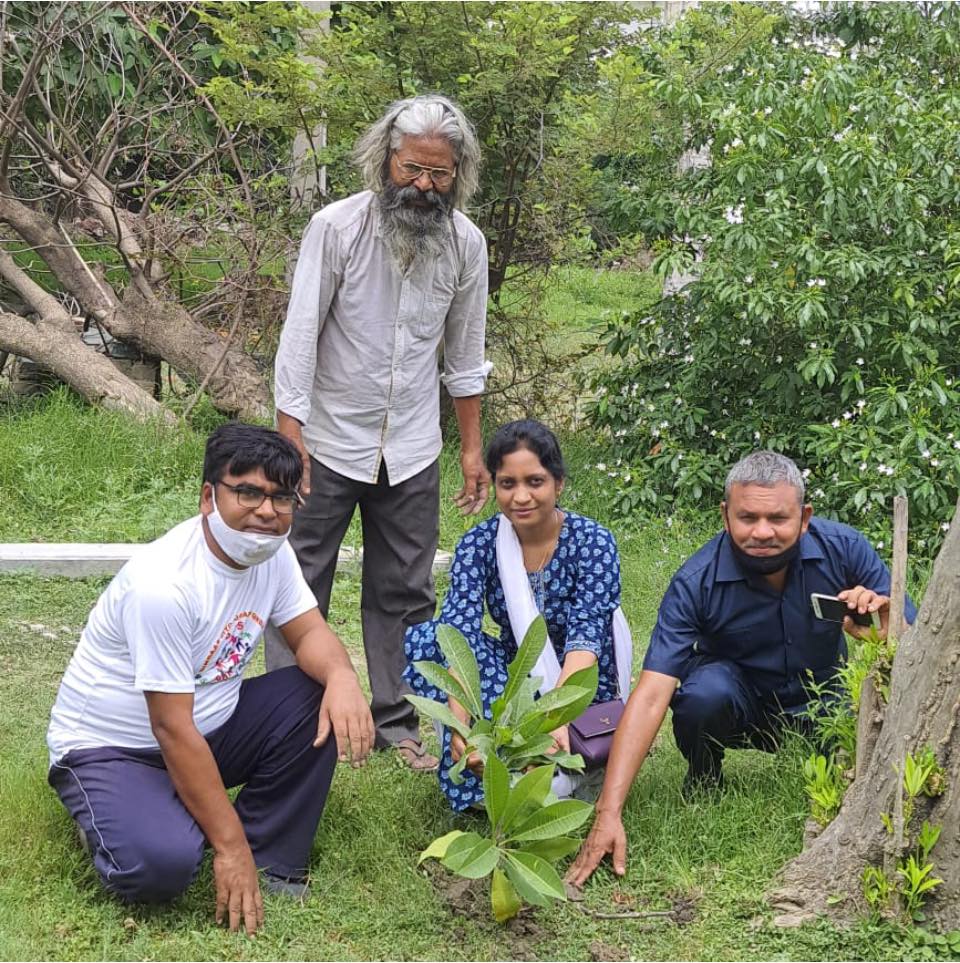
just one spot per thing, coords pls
(824, 319)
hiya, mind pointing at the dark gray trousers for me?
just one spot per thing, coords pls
(401, 529)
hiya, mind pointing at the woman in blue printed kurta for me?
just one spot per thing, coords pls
(577, 590)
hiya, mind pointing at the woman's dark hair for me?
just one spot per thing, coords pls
(531, 435)
(236, 448)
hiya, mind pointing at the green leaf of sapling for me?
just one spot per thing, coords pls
(472, 856)
(440, 712)
(496, 789)
(438, 848)
(437, 675)
(504, 898)
(556, 820)
(463, 664)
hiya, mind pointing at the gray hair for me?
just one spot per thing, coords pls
(429, 115)
(765, 468)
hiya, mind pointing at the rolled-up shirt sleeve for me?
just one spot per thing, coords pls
(464, 368)
(315, 283)
(674, 639)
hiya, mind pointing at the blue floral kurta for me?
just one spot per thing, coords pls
(581, 591)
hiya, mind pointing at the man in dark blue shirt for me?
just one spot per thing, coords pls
(737, 650)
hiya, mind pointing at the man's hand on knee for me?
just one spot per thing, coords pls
(345, 711)
(238, 889)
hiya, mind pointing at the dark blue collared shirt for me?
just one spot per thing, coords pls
(714, 609)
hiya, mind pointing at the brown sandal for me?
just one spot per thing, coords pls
(415, 756)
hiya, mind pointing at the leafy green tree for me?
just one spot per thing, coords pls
(824, 318)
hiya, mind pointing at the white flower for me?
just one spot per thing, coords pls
(879, 545)
(805, 473)
(847, 415)
(945, 527)
(745, 342)
(860, 362)
(882, 468)
(861, 404)
(601, 466)
(669, 520)
(713, 432)
(818, 493)
(756, 436)
(748, 279)
(817, 283)
(935, 462)
(813, 345)
(835, 423)
(863, 466)
(768, 110)
(779, 359)
(734, 215)
(925, 453)
(889, 470)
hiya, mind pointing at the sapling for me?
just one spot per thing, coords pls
(529, 826)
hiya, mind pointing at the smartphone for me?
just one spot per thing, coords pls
(831, 609)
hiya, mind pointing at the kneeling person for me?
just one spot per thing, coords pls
(153, 719)
(737, 651)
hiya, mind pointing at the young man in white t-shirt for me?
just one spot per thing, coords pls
(153, 719)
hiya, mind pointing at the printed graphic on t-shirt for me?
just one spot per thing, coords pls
(232, 650)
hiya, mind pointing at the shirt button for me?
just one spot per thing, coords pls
(789, 641)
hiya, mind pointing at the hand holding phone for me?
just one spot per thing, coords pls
(829, 608)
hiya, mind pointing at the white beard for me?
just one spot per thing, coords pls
(412, 232)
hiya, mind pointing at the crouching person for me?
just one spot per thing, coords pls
(153, 720)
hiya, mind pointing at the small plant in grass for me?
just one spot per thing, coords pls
(519, 727)
(528, 824)
(528, 833)
(825, 785)
(877, 888)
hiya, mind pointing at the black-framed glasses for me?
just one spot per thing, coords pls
(248, 496)
(440, 176)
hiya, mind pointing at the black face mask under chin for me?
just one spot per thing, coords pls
(764, 564)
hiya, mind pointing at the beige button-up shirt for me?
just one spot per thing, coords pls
(357, 360)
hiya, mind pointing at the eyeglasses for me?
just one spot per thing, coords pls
(440, 176)
(284, 503)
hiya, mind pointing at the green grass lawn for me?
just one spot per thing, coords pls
(69, 473)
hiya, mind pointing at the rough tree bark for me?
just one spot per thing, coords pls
(923, 711)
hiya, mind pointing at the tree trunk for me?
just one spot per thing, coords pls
(92, 375)
(157, 327)
(923, 711)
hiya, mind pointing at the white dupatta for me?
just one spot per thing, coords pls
(522, 610)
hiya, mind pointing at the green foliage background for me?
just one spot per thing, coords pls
(824, 316)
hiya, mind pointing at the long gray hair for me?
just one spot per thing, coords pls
(429, 115)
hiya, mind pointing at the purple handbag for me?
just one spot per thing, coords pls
(591, 734)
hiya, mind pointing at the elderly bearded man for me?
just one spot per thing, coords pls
(386, 280)
(737, 652)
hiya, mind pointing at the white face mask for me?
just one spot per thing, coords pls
(244, 548)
